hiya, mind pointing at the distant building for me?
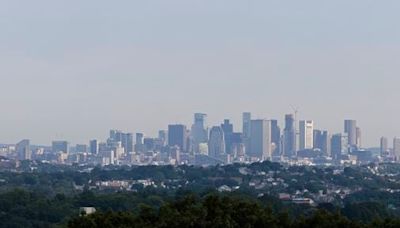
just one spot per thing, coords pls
(260, 139)
(246, 124)
(94, 146)
(177, 136)
(275, 138)
(23, 150)
(227, 127)
(289, 136)
(358, 137)
(322, 142)
(126, 139)
(60, 146)
(338, 146)
(396, 148)
(163, 137)
(81, 148)
(139, 146)
(246, 129)
(306, 134)
(199, 130)
(350, 128)
(384, 147)
(216, 143)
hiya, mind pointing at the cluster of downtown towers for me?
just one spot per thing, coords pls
(259, 140)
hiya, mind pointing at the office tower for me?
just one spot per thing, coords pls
(260, 139)
(275, 138)
(306, 134)
(216, 143)
(139, 148)
(163, 137)
(337, 146)
(384, 147)
(94, 146)
(227, 127)
(23, 150)
(358, 137)
(128, 142)
(126, 139)
(149, 144)
(326, 143)
(199, 130)
(81, 148)
(350, 128)
(237, 145)
(246, 125)
(60, 146)
(289, 136)
(177, 136)
(317, 139)
(175, 154)
(396, 149)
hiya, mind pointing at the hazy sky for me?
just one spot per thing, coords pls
(73, 69)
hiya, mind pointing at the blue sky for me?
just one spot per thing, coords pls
(74, 69)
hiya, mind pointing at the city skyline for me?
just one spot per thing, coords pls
(237, 126)
(74, 70)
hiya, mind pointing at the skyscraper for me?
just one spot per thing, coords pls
(177, 136)
(337, 146)
(139, 145)
(126, 139)
(216, 143)
(227, 127)
(60, 146)
(289, 136)
(384, 147)
(199, 130)
(163, 137)
(350, 128)
(275, 138)
(306, 134)
(94, 146)
(260, 139)
(23, 150)
(396, 148)
(246, 124)
(326, 143)
(358, 137)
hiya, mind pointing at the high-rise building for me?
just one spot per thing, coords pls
(227, 127)
(396, 148)
(317, 139)
(337, 146)
(216, 143)
(358, 137)
(246, 124)
(275, 138)
(126, 139)
(289, 136)
(306, 134)
(60, 146)
(326, 143)
(384, 147)
(163, 137)
(177, 136)
(23, 150)
(199, 130)
(81, 148)
(260, 139)
(350, 128)
(139, 144)
(94, 146)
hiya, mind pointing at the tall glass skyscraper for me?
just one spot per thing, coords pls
(289, 136)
